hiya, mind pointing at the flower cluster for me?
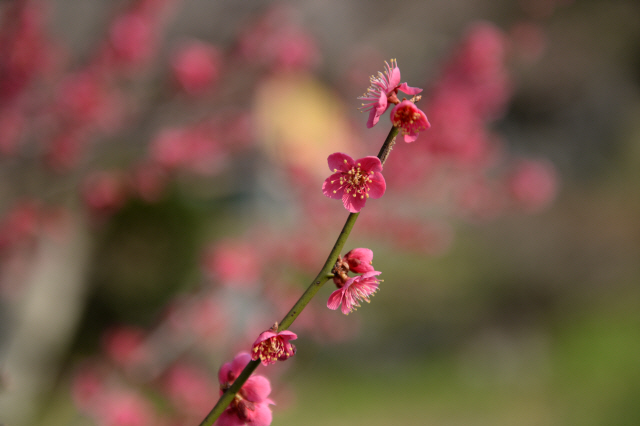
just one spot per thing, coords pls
(352, 290)
(384, 91)
(250, 406)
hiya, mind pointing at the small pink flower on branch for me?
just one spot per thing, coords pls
(359, 260)
(410, 119)
(273, 345)
(355, 290)
(384, 91)
(250, 406)
(354, 181)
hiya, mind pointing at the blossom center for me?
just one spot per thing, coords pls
(270, 350)
(356, 180)
(406, 117)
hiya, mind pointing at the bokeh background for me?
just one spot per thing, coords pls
(160, 205)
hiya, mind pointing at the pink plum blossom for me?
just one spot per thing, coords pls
(272, 346)
(384, 90)
(132, 38)
(104, 192)
(124, 408)
(533, 185)
(19, 224)
(410, 119)
(354, 181)
(125, 345)
(359, 260)
(196, 67)
(250, 406)
(233, 263)
(353, 291)
(190, 388)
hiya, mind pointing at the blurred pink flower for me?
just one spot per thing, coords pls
(86, 386)
(12, 127)
(190, 389)
(529, 40)
(196, 66)
(477, 71)
(124, 408)
(194, 148)
(65, 150)
(85, 99)
(480, 200)
(104, 192)
(26, 52)
(272, 346)
(132, 38)
(354, 181)
(148, 181)
(533, 185)
(384, 90)
(277, 41)
(251, 404)
(125, 345)
(234, 263)
(359, 260)
(19, 224)
(353, 291)
(408, 117)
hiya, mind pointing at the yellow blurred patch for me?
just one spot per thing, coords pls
(301, 122)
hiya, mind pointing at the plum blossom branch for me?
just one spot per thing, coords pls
(323, 276)
(353, 181)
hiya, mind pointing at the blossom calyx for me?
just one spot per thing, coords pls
(340, 271)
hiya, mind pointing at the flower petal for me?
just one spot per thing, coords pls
(377, 109)
(264, 336)
(353, 204)
(229, 418)
(370, 274)
(373, 119)
(378, 186)
(288, 335)
(256, 388)
(408, 138)
(370, 164)
(347, 304)
(359, 260)
(224, 374)
(239, 362)
(383, 104)
(340, 161)
(409, 90)
(332, 187)
(335, 299)
(262, 416)
(394, 76)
